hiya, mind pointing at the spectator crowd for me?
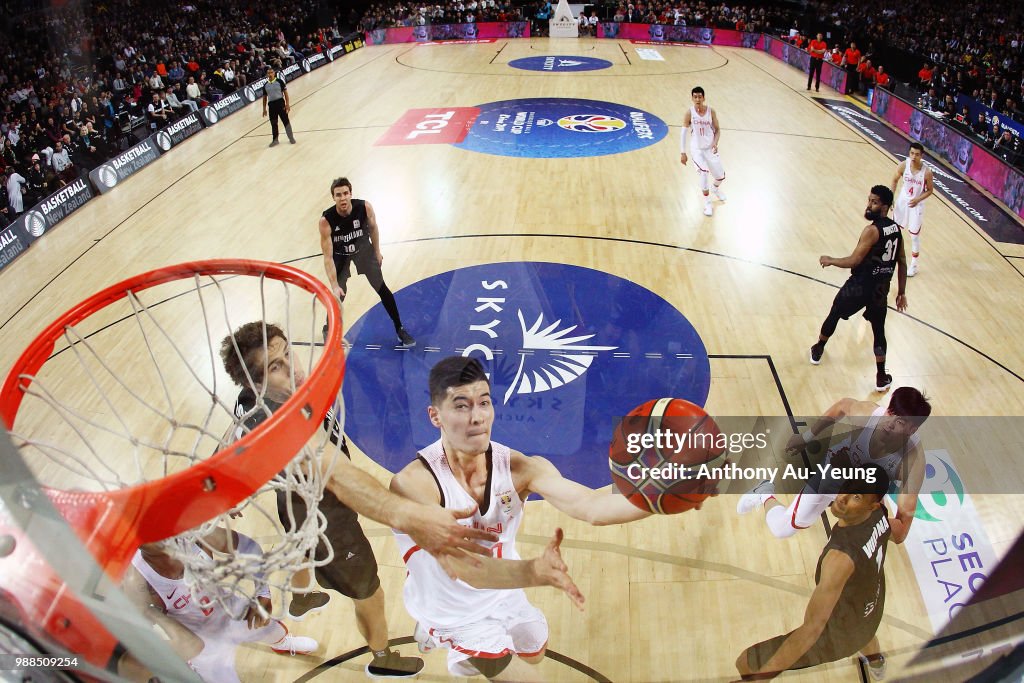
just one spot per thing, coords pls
(77, 80)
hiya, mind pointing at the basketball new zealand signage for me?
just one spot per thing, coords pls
(107, 175)
(228, 105)
(537, 128)
(34, 223)
(569, 350)
(179, 131)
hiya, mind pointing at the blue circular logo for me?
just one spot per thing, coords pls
(546, 128)
(559, 63)
(569, 350)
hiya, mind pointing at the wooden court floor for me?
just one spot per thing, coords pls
(669, 599)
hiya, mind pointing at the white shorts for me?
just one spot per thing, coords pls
(516, 627)
(908, 218)
(707, 161)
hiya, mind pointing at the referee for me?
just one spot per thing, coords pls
(276, 94)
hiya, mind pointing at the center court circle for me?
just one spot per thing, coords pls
(552, 127)
(560, 63)
(569, 351)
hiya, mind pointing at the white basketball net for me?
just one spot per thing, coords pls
(139, 392)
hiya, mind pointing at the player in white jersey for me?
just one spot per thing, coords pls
(908, 211)
(204, 630)
(702, 142)
(487, 628)
(886, 437)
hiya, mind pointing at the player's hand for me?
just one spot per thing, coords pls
(682, 158)
(437, 530)
(912, 203)
(264, 112)
(551, 570)
(714, 149)
(825, 261)
(339, 291)
(901, 302)
(253, 616)
(795, 444)
(287, 108)
(380, 258)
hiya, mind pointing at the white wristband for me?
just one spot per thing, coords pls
(684, 139)
(808, 436)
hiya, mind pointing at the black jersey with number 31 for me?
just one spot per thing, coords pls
(880, 263)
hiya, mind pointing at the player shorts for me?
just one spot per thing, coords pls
(353, 571)
(366, 264)
(515, 627)
(909, 219)
(707, 161)
(863, 293)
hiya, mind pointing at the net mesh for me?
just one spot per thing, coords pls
(138, 391)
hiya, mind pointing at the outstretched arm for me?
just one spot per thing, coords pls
(906, 503)
(539, 476)
(868, 237)
(328, 250)
(685, 139)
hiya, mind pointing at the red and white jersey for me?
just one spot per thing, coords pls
(913, 183)
(431, 597)
(702, 134)
(857, 446)
(200, 614)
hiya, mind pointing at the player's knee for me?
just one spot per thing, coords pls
(779, 524)
(536, 658)
(491, 667)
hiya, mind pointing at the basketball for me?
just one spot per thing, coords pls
(656, 453)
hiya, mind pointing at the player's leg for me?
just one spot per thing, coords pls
(871, 657)
(915, 219)
(875, 314)
(367, 265)
(802, 513)
(848, 301)
(701, 166)
(717, 173)
(276, 635)
(353, 573)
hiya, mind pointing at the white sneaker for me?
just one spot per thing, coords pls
(912, 270)
(707, 207)
(424, 641)
(295, 645)
(718, 193)
(757, 496)
(875, 668)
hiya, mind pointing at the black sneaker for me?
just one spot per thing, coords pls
(307, 603)
(883, 381)
(405, 339)
(390, 664)
(816, 353)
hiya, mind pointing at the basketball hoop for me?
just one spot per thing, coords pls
(117, 405)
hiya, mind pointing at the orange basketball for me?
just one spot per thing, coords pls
(656, 454)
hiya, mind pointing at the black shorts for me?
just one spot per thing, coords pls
(863, 293)
(366, 264)
(837, 641)
(353, 571)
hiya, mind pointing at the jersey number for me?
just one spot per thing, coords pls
(890, 250)
(881, 557)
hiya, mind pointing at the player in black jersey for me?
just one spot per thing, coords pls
(849, 595)
(348, 234)
(879, 253)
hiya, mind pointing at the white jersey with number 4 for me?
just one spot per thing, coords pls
(702, 131)
(431, 597)
(910, 218)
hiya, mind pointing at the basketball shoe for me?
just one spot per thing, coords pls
(307, 603)
(912, 270)
(817, 351)
(405, 339)
(875, 667)
(718, 193)
(424, 641)
(883, 381)
(707, 206)
(757, 496)
(390, 664)
(295, 645)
